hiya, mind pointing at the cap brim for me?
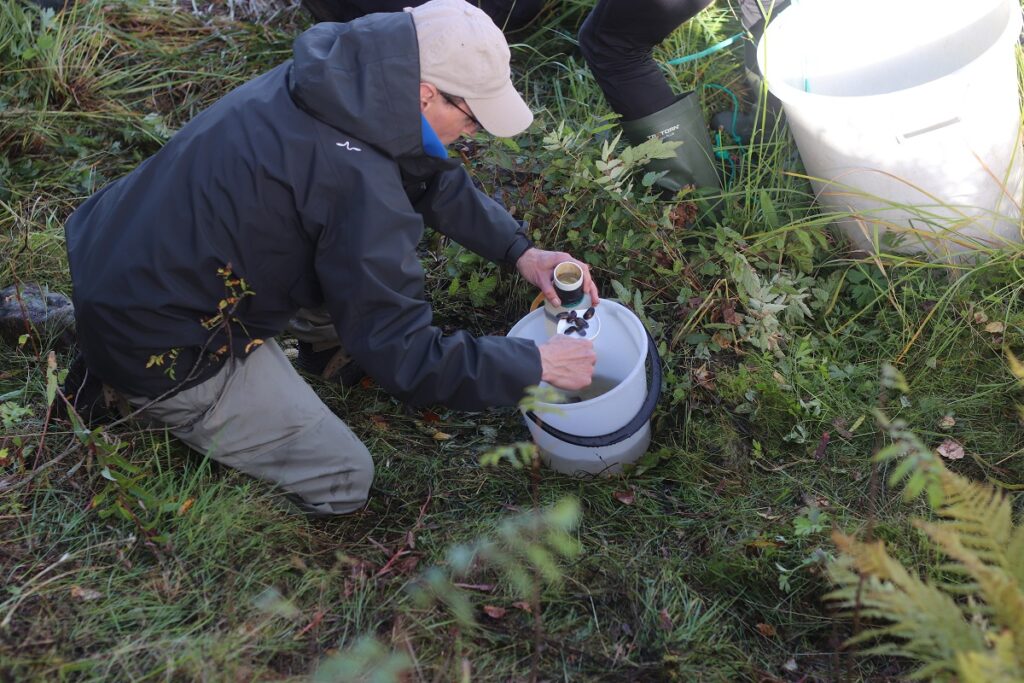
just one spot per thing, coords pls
(503, 115)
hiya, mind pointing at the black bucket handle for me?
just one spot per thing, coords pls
(634, 425)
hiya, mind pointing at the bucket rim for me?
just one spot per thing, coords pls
(638, 367)
(788, 93)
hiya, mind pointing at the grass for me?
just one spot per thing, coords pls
(704, 564)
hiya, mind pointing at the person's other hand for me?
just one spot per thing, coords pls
(538, 266)
(567, 363)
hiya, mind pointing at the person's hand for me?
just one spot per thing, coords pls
(538, 266)
(567, 363)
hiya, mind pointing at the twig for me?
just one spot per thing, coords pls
(410, 539)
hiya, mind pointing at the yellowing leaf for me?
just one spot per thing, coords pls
(766, 630)
(1016, 367)
(995, 327)
(441, 436)
(185, 506)
(494, 612)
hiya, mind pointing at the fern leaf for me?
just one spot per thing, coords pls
(996, 665)
(999, 589)
(979, 515)
(927, 621)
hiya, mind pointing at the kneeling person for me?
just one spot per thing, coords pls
(307, 189)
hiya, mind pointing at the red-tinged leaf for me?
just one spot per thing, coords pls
(819, 452)
(729, 316)
(624, 497)
(313, 623)
(494, 612)
(766, 630)
(431, 416)
(379, 422)
(366, 383)
(186, 506)
(665, 621)
(525, 606)
(407, 565)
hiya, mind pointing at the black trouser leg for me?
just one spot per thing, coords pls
(617, 40)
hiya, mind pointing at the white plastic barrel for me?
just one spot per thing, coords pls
(906, 114)
(620, 374)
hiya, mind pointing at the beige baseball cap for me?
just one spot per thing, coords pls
(464, 54)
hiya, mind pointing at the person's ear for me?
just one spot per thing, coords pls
(428, 93)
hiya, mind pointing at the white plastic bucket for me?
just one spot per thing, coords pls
(897, 103)
(615, 423)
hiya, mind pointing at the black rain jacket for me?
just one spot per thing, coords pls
(312, 184)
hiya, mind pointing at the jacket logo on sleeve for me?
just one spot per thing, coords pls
(345, 145)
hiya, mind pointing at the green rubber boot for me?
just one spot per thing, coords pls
(694, 163)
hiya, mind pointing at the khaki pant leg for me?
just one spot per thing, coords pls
(258, 416)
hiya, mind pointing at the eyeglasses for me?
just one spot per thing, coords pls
(450, 100)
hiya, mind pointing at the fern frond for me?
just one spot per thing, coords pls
(1015, 553)
(996, 665)
(927, 621)
(998, 588)
(979, 515)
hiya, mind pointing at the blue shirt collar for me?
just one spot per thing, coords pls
(431, 143)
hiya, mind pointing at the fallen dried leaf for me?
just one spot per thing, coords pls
(494, 612)
(841, 426)
(980, 317)
(995, 327)
(441, 436)
(950, 449)
(379, 422)
(766, 630)
(664, 620)
(366, 383)
(431, 416)
(79, 593)
(624, 497)
(790, 665)
(704, 377)
(729, 316)
(186, 506)
(947, 422)
(407, 564)
(525, 606)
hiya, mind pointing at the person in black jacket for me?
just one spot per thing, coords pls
(308, 189)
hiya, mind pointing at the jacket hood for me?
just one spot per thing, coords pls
(362, 77)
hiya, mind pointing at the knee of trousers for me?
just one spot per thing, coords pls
(608, 55)
(344, 488)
